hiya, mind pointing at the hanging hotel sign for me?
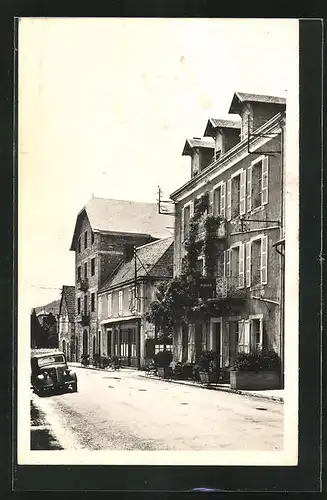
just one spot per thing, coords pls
(206, 288)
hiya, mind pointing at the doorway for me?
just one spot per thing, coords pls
(216, 343)
(85, 343)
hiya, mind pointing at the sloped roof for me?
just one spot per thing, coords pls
(52, 307)
(241, 97)
(147, 259)
(214, 123)
(197, 142)
(68, 295)
(124, 216)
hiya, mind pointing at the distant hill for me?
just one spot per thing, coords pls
(52, 307)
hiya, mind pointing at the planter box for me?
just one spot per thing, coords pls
(254, 380)
(207, 378)
(163, 372)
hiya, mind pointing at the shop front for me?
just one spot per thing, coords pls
(122, 339)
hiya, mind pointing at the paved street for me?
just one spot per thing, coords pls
(123, 411)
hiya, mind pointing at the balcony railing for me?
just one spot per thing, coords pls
(221, 231)
(229, 288)
(83, 285)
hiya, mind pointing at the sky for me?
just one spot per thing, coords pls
(105, 107)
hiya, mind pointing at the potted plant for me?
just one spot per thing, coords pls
(206, 366)
(162, 360)
(258, 370)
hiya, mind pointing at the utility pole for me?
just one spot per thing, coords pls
(138, 332)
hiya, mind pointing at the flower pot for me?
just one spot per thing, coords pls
(207, 377)
(250, 380)
(163, 372)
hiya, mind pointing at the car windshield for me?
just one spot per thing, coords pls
(49, 360)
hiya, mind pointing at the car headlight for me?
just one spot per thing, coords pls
(40, 377)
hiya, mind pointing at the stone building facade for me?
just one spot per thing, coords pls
(125, 298)
(68, 342)
(243, 183)
(106, 231)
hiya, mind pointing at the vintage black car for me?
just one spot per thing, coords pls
(50, 372)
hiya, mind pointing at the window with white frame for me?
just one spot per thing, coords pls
(234, 264)
(256, 261)
(100, 305)
(236, 191)
(109, 298)
(120, 303)
(257, 183)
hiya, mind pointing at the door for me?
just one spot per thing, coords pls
(85, 343)
(109, 336)
(216, 343)
(184, 343)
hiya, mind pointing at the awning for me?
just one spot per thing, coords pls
(119, 319)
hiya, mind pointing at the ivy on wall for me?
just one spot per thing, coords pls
(177, 301)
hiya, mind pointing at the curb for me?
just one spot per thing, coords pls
(218, 388)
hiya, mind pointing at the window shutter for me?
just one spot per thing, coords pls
(242, 192)
(240, 340)
(248, 263)
(191, 209)
(264, 254)
(261, 333)
(225, 262)
(229, 199)
(228, 263)
(249, 184)
(265, 180)
(226, 345)
(210, 208)
(241, 267)
(109, 304)
(247, 335)
(223, 200)
(182, 225)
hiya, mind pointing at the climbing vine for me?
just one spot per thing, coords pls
(177, 301)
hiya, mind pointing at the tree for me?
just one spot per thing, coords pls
(36, 331)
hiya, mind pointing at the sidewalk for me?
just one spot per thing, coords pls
(272, 395)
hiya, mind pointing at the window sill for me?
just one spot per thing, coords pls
(258, 209)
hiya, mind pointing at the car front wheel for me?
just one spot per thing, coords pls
(74, 386)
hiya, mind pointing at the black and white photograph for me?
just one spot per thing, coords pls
(158, 230)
